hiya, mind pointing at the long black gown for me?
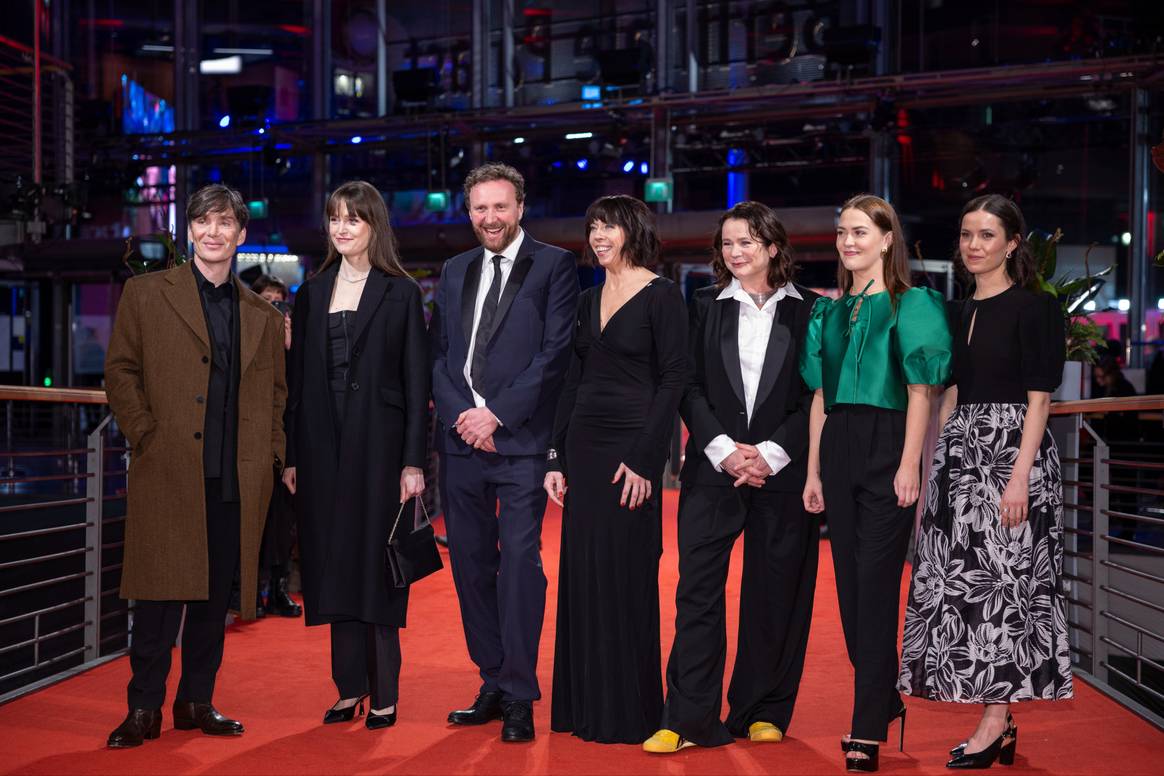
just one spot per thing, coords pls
(618, 406)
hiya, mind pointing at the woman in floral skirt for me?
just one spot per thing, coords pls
(985, 622)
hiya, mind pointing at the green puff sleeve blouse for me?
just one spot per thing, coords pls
(870, 359)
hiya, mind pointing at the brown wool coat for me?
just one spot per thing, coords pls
(157, 371)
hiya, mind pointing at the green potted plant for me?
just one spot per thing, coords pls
(1083, 334)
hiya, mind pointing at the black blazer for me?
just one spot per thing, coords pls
(348, 475)
(713, 403)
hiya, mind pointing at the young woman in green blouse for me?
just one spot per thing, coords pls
(871, 357)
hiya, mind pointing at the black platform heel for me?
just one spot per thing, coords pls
(867, 764)
(333, 715)
(1008, 732)
(1002, 749)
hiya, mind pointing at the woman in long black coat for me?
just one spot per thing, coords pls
(356, 423)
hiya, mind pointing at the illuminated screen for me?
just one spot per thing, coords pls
(142, 112)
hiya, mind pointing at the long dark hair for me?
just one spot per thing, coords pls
(642, 245)
(767, 229)
(895, 263)
(364, 201)
(1020, 264)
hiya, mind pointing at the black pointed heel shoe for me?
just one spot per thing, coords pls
(334, 715)
(1009, 733)
(376, 721)
(901, 738)
(867, 764)
(1002, 749)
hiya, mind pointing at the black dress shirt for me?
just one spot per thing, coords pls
(220, 431)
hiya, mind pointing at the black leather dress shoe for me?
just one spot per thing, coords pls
(518, 724)
(139, 725)
(280, 603)
(486, 708)
(188, 716)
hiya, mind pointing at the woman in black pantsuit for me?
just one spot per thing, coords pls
(746, 407)
(357, 428)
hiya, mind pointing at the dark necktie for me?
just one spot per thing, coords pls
(485, 326)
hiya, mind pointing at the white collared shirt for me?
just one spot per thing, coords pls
(508, 257)
(755, 328)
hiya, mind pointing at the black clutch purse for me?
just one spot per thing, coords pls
(411, 553)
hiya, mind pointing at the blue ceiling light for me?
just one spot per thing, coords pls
(582, 163)
(628, 165)
(224, 122)
(644, 168)
(357, 140)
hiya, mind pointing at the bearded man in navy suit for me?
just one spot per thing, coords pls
(501, 335)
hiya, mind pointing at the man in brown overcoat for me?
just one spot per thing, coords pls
(194, 375)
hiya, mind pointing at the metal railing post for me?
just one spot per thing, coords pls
(94, 517)
(1100, 499)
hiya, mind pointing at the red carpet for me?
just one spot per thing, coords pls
(276, 679)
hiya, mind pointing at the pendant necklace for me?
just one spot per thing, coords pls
(762, 298)
(353, 278)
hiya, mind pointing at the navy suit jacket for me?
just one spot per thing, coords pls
(528, 353)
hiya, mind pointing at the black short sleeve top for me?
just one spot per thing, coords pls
(1017, 344)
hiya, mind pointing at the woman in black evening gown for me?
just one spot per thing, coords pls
(986, 621)
(611, 440)
(357, 428)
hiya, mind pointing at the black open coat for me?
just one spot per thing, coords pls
(348, 477)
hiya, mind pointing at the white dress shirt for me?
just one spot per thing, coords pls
(508, 257)
(755, 327)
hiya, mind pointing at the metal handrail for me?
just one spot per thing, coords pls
(86, 483)
(1121, 595)
(1112, 404)
(61, 395)
(62, 502)
(1133, 571)
(45, 453)
(43, 531)
(44, 558)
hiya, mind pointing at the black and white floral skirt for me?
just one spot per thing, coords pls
(986, 619)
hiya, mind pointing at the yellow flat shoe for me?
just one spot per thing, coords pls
(764, 732)
(665, 742)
